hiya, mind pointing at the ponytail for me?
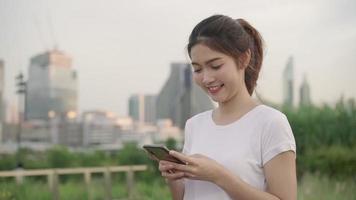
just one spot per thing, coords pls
(256, 48)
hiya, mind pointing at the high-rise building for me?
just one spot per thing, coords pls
(179, 99)
(142, 108)
(288, 83)
(2, 104)
(150, 109)
(304, 93)
(51, 86)
(2, 86)
(136, 107)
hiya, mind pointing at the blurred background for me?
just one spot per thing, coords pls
(84, 84)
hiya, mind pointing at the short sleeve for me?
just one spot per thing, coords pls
(187, 137)
(277, 138)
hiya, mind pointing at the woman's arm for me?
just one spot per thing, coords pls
(280, 175)
(177, 189)
(173, 178)
(281, 181)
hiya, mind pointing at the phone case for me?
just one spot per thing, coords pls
(161, 153)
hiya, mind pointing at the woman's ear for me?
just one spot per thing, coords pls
(245, 58)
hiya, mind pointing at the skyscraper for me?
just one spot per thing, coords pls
(2, 86)
(150, 109)
(288, 83)
(142, 108)
(304, 93)
(136, 107)
(51, 86)
(2, 104)
(179, 99)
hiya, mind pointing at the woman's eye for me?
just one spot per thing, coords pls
(216, 66)
(197, 70)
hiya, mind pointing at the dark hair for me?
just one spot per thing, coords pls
(231, 37)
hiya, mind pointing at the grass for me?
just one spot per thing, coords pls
(311, 187)
(77, 190)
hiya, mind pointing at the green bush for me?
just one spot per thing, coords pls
(326, 138)
(7, 162)
(333, 161)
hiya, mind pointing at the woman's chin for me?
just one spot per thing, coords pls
(217, 99)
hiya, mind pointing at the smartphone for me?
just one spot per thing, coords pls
(161, 153)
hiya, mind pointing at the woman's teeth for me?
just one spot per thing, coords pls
(214, 89)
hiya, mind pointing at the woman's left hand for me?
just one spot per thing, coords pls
(198, 167)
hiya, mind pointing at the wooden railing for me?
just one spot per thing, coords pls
(52, 177)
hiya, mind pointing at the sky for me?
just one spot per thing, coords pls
(125, 47)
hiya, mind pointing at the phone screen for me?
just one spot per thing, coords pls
(161, 153)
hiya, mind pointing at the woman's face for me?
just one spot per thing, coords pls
(216, 73)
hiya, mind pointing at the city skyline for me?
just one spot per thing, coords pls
(123, 48)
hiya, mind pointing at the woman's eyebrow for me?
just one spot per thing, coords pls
(207, 62)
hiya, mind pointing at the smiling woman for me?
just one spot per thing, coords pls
(241, 149)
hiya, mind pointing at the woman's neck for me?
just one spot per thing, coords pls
(236, 107)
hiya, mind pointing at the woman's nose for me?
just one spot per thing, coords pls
(207, 78)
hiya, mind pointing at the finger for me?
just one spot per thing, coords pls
(162, 167)
(181, 157)
(189, 175)
(165, 162)
(176, 175)
(185, 168)
(198, 156)
(171, 171)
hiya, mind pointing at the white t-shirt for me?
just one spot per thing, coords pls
(243, 147)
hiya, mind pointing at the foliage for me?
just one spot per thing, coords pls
(333, 161)
(312, 187)
(60, 157)
(7, 162)
(326, 138)
(171, 143)
(131, 155)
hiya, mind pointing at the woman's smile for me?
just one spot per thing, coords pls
(215, 89)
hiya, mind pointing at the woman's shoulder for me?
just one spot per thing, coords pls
(270, 111)
(267, 114)
(200, 116)
(272, 117)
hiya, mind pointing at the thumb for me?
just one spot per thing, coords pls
(186, 159)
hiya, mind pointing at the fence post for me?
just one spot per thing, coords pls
(130, 181)
(19, 176)
(107, 177)
(53, 182)
(49, 180)
(87, 178)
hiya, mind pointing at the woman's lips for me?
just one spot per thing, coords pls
(215, 89)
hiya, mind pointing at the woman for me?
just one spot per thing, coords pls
(242, 149)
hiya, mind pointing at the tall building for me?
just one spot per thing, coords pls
(51, 86)
(288, 83)
(136, 107)
(179, 99)
(150, 109)
(304, 93)
(142, 108)
(2, 104)
(2, 86)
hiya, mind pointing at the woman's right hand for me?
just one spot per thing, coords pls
(173, 178)
(167, 171)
